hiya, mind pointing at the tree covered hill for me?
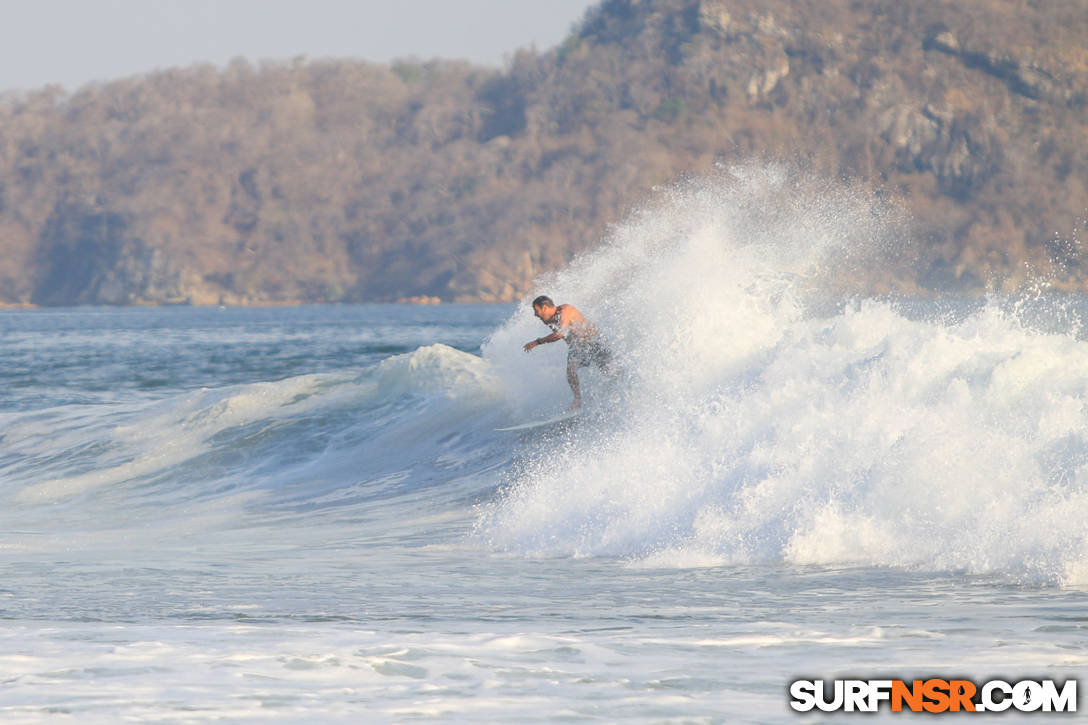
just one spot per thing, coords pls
(344, 180)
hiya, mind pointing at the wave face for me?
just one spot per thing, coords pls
(763, 417)
(369, 443)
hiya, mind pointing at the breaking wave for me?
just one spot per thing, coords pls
(765, 414)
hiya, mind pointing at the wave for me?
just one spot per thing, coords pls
(257, 452)
(766, 416)
(762, 414)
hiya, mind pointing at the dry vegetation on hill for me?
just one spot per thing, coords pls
(328, 181)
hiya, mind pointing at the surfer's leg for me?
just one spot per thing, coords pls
(572, 378)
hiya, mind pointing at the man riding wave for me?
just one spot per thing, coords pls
(583, 345)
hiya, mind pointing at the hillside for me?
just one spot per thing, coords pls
(348, 181)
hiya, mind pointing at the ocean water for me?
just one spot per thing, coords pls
(307, 515)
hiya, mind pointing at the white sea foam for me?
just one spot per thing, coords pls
(753, 425)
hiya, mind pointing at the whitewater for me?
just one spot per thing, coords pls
(308, 515)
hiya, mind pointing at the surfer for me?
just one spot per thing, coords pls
(583, 346)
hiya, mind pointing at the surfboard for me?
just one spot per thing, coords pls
(567, 415)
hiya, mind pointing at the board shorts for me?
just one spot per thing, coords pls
(583, 353)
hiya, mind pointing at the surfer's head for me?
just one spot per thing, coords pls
(543, 307)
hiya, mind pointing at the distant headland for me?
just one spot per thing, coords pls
(345, 181)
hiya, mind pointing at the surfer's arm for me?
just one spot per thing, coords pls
(554, 337)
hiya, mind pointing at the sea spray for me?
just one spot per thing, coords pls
(766, 414)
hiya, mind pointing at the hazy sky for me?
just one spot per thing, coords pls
(72, 42)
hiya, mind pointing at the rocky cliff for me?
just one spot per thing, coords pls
(338, 180)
